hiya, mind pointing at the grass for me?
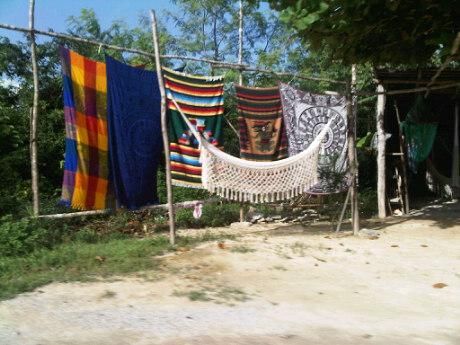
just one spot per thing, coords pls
(78, 261)
(194, 295)
(218, 294)
(83, 261)
(242, 249)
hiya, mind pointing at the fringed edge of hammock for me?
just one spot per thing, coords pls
(258, 198)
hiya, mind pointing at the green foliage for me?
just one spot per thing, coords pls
(362, 31)
(78, 261)
(213, 215)
(26, 235)
(368, 202)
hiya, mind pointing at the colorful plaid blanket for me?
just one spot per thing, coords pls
(86, 155)
(133, 112)
(262, 135)
(201, 99)
(305, 114)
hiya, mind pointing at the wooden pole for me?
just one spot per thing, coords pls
(34, 115)
(381, 179)
(184, 204)
(342, 213)
(402, 149)
(353, 162)
(164, 130)
(240, 77)
(455, 151)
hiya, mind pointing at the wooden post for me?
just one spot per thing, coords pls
(342, 213)
(164, 130)
(240, 61)
(34, 114)
(381, 179)
(352, 161)
(402, 149)
(455, 151)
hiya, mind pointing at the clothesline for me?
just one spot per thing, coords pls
(221, 64)
(218, 64)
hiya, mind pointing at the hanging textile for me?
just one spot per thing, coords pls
(243, 180)
(201, 99)
(419, 132)
(419, 138)
(305, 115)
(262, 135)
(85, 180)
(135, 141)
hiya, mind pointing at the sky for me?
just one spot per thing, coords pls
(52, 14)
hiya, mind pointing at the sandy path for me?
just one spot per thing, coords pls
(290, 286)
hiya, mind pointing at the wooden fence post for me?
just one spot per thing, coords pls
(381, 141)
(352, 161)
(34, 114)
(164, 130)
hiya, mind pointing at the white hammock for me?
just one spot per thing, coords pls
(241, 180)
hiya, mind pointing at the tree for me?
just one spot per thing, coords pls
(358, 31)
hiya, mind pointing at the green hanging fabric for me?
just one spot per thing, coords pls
(419, 132)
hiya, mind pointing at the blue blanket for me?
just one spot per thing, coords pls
(135, 142)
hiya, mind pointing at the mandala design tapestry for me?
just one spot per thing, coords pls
(305, 114)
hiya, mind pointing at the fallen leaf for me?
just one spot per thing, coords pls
(394, 246)
(319, 259)
(439, 285)
(182, 249)
(423, 245)
(100, 258)
(327, 236)
(221, 245)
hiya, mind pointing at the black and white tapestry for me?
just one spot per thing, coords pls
(305, 114)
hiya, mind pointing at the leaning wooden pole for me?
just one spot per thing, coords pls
(34, 115)
(352, 160)
(164, 130)
(381, 172)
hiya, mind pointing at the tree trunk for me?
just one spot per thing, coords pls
(34, 115)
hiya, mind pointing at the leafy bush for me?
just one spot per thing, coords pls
(368, 202)
(20, 237)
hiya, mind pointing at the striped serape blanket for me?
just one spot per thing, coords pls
(262, 135)
(85, 180)
(201, 100)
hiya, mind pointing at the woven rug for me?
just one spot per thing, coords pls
(305, 114)
(85, 179)
(201, 99)
(135, 141)
(262, 135)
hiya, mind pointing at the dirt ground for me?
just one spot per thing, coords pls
(274, 285)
